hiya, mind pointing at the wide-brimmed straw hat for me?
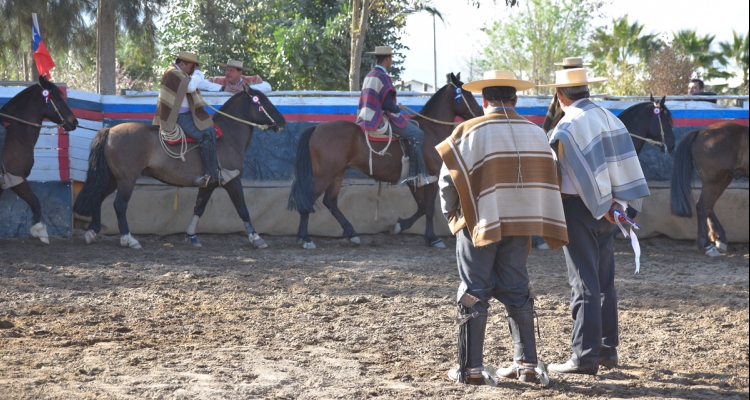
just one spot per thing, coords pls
(188, 57)
(382, 51)
(573, 62)
(498, 78)
(573, 77)
(235, 64)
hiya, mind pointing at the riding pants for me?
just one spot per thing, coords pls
(415, 136)
(185, 121)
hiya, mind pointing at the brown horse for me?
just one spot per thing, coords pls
(119, 155)
(325, 151)
(23, 115)
(720, 153)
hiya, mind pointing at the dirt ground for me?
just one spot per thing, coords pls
(227, 321)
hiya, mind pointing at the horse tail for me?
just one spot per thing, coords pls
(302, 197)
(97, 178)
(682, 176)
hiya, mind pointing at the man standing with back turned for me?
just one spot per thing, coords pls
(498, 186)
(600, 173)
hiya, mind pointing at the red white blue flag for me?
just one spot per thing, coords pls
(42, 57)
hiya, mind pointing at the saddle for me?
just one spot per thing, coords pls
(381, 135)
(191, 140)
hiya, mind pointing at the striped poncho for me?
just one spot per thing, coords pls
(497, 198)
(598, 149)
(172, 91)
(375, 88)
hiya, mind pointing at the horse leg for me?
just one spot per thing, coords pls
(234, 189)
(716, 232)
(704, 208)
(124, 191)
(204, 194)
(330, 200)
(39, 229)
(404, 224)
(96, 216)
(302, 235)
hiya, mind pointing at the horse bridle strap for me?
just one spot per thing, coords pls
(463, 96)
(653, 142)
(20, 120)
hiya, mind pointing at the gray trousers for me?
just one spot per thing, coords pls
(497, 270)
(410, 131)
(186, 122)
(591, 272)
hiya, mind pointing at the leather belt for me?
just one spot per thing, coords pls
(565, 195)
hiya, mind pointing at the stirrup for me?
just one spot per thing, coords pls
(202, 181)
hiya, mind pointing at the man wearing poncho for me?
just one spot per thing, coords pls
(498, 186)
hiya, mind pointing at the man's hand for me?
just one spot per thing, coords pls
(232, 89)
(610, 216)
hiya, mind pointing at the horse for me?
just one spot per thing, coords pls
(650, 122)
(23, 115)
(325, 151)
(720, 154)
(120, 154)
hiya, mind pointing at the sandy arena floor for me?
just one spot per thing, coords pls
(227, 321)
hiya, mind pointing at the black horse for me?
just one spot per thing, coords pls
(23, 115)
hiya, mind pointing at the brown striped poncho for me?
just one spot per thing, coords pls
(173, 89)
(482, 156)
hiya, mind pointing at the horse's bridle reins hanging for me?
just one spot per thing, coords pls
(255, 100)
(663, 143)
(48, 98)
(460, 94)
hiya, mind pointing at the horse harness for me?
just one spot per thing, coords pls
(663, 143)
(49, 100)
(460, 94)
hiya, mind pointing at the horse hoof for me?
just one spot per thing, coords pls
(308, 245)
(712, 252)
(396, 229)
(257, 241)
(39, 230)
(722, 247)
(90, 235)
(355, 240)
(193, 240)
(438, 243)
(128, 241)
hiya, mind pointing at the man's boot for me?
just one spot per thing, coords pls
(521, 325)
(470, 342)
(418, 169)
(208, 155)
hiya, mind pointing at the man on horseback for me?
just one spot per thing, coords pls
(377, 106)
(181, 105)
(600, 173)
(493, 204)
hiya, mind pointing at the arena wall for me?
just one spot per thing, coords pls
(268, 169)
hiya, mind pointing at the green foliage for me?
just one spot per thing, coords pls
(737, 52)
(699, 49)
(529, 40)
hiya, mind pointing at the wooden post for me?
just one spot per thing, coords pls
(105, 47)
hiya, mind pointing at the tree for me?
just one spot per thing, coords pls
(669, 70)
(699, 49)
(737, 51)
(531, 39)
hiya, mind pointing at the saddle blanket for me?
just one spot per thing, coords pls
(191, 140)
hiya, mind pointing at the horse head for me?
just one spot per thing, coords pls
(263, 112)
(463, 102)
(53, 105)
(660, 127)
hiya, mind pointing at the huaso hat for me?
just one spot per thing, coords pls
(573, 62)
(382, 51)
(498, 78)
(573, 77)
(235, 64)
(188, 56)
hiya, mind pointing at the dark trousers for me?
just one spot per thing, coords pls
(591, 272)
(186, 122)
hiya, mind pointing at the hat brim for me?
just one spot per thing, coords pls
(185, 59)
(477, 86)
(381, 54)
(233, 66)
(590, 81)
(576, 66)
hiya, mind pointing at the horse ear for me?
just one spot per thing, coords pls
(663, 100)
(449, 77)
(43, 81)
(458, 76)
(652, 98)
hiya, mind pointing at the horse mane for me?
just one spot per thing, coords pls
(18, 99)
(431, 103)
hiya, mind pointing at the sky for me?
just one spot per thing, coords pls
(459, 37)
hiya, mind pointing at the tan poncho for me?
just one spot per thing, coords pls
(171, 92)
(482, 156)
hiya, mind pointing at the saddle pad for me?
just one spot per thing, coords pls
(191, 140)
(380, 138)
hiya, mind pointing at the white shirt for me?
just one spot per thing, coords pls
(195, 82)
(566, 185)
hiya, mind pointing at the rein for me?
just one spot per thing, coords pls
(462, 94)
(255, 100)
(21, 121)
(663, 143)
(34, 124)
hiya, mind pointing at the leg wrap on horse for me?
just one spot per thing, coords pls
(471, 330)
(521, 325)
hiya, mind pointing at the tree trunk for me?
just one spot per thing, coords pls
(360, 15)
(105, 47)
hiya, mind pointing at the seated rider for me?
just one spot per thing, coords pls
(180, 103)
(378, 100)
(233, 79)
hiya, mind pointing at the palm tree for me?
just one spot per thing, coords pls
(737, 51)
(699, 49)
(623, 45)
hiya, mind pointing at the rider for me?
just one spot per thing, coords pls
(378, 99)
(180, 103)
(233, 79)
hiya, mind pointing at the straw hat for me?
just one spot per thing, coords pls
(572, 62)
(382, 51)
(235, 64)
(498, 78)
(188, 57)
(573, 77)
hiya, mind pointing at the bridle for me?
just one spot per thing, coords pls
(663, 143)
(460, 94)
(49, 100)
(255, 100)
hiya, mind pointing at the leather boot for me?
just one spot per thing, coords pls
(418, 169)
(476, 328)
(208, 155)
(521, 325)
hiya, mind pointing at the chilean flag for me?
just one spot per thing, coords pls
(43, 60)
